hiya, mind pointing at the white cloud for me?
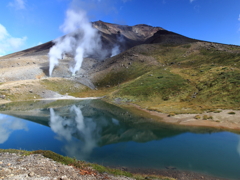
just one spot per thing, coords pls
(9, 124)
(8, 43)
(191, 1)
(18, 4)
(239, 17)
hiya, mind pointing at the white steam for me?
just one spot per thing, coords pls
(81, 41)
(116, 48)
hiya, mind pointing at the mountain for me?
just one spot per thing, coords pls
(133, 35)
(156, 69)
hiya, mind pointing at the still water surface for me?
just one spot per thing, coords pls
(98, 132)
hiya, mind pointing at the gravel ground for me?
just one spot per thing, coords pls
(17, 167)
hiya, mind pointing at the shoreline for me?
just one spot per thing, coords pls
(221, 120)
(53, 98)
(67, 98)
(181, 119)
(175, 173)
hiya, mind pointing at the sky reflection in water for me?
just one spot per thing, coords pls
(105, 134)
(8, 124)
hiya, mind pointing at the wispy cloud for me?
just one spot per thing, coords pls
(9, 43)
(191, 1)
(18, 4)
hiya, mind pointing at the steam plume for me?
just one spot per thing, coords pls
(81, 41)
(116, 48)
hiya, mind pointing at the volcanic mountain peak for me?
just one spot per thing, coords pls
(139, 32)
(110, 33)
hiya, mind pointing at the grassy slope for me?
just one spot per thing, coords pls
(187, 79)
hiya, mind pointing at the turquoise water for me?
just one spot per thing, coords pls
(99, 132)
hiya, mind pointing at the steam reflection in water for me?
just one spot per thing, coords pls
(9, 124)
(105, 134)
(83, 128)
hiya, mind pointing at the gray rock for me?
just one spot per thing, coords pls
(31, 174)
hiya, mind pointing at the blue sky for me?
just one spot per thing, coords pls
(27, 23)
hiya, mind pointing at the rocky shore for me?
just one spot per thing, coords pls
(14, 166)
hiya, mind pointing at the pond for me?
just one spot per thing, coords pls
(99, 132)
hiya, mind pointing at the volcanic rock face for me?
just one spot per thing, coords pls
(167, 37)
(124, 36)
(137, 33)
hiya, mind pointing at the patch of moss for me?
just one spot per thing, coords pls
(22, 152)
(118, 76)
(62, 86)
(171, 114)
(197, 117)
(116, 172)
(206, 117)
(149, 87)
(57, 157)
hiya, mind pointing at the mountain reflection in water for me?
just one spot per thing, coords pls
(85, 125)
(99, 132)
(86, 129)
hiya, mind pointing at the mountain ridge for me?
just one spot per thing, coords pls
(136, 35)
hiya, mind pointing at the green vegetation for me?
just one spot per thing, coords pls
(231, 112)
(22, 152)
(189, 78)
(206, 117)
(125, 73)
(171, 114)
(59, 158)
(197, 117)
(162, 84)
(62, 86)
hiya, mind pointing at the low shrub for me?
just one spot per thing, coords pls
(197, 117)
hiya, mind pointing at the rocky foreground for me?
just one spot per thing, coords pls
(15, 167)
